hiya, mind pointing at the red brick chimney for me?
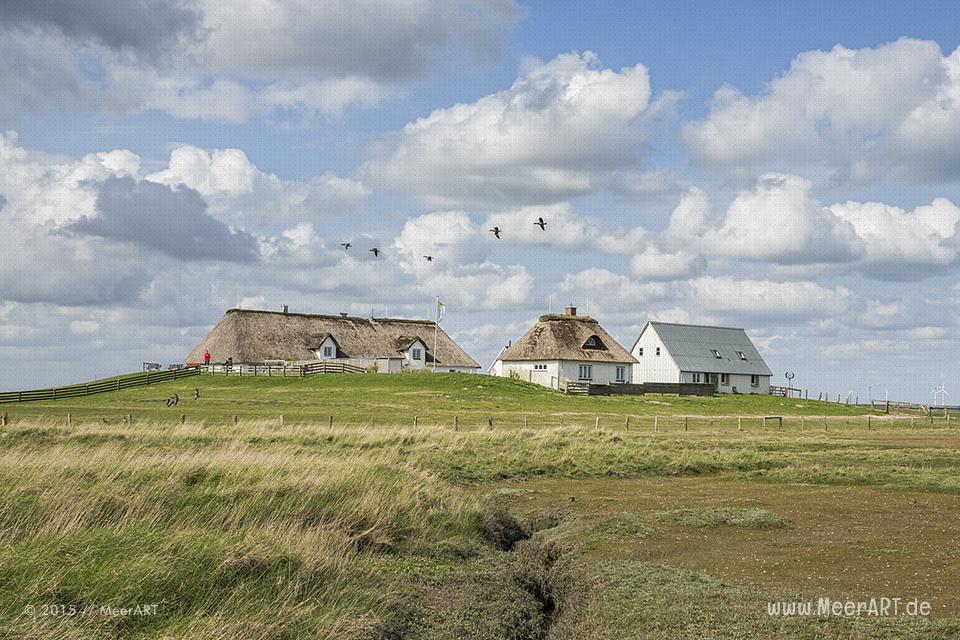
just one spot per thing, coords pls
(570, 311)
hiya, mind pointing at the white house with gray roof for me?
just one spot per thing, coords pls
(725, 357)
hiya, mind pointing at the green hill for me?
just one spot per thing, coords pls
(436, 399)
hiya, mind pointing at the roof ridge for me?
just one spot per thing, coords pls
(701, 326)
(326, 316)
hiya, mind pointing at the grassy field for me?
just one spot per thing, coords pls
(396, 399)
(388, 532)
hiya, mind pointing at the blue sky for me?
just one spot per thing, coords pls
(789, 168)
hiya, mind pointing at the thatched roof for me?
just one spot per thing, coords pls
(556, 337)
(255, 336)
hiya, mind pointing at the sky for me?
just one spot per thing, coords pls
(789, 168)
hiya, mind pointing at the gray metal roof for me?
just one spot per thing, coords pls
(691, 347)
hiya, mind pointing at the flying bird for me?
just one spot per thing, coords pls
(346, 245)
(496, 231)
(376, 252)
(429, 258)
(540, 223)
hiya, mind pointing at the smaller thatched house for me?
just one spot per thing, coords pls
(255, 337)
(558, 349)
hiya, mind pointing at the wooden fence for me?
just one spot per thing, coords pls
(663, 388)
(281, 371)
(102, 386)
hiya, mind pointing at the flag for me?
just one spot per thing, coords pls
(440, 310)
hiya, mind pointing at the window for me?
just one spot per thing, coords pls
(724, 378)
(416, 354)
(658, 350)
(539, 367)
(696, 377)
(716, 353)
(586, 372)
(621, 374)
(593, 342)
(640, 352)
(327, 352)
(742, 355)
(754, 381)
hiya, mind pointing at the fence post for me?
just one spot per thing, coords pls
(118, 386)
(869, 419)
(281, 422)
(686, 423)
(69, 421)
(456, 423)
(3, 419)
(55, 391)
(330, 422)
(183, 418)
(524, 422)
(561, 419)
(626, 423)
(739, 423)
(129, 418)
(86, 389)
(490, 423)
(656, 423)
(803, 422)
(416, 419)
(235, 420)
(596, 424)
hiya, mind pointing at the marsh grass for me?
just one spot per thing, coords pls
(252, 531)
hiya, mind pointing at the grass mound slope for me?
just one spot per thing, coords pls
(394, 400)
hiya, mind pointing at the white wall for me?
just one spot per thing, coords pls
(416, 364)
(603, 372)
(651, 367)
(525, 371)
(327, 342)
(738, 380)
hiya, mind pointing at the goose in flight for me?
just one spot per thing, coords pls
(540, 223)
(496, 231)
(376, 252)
(346, 245)
(429, 258)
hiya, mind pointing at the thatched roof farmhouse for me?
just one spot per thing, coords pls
(567, 347)
(253, 337)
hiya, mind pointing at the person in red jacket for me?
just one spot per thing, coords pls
(206, 358)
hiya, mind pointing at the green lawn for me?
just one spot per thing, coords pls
(435, 399)
(390, 532)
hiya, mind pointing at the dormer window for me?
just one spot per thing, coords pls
(741, 355)
(716, 353)
(415, 354)
(593, 342)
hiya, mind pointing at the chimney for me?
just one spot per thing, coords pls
(286, 309)
(570, 311)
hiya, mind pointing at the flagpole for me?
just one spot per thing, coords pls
(436, 326)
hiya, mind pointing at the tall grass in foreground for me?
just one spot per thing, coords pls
(229, 540)
(252, 531)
